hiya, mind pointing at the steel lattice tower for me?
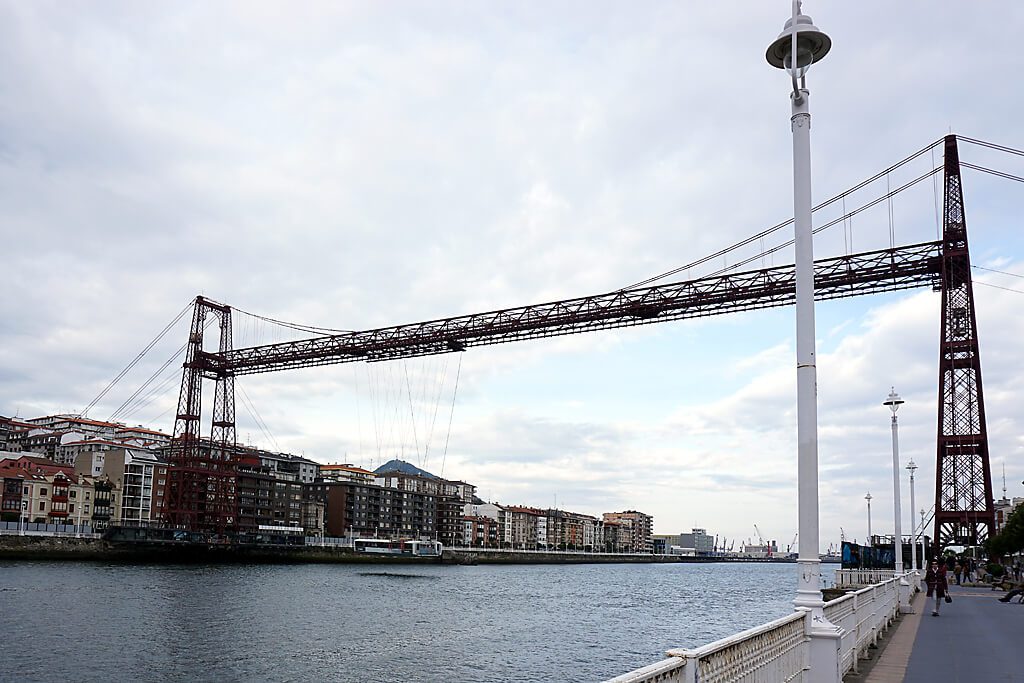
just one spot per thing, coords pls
(201, 476)
(964, 513)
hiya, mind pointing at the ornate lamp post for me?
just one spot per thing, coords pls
(911, 467)
(893, 401)
(924, 560)
(868, 499)
(798, 46)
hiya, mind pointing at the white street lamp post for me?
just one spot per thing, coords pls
(911, 467)
(798, 46)
(868, 499)
(893, 401)
(924, 560)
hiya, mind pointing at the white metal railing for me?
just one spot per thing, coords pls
(846, 578)
(44, 529)
(780, 649)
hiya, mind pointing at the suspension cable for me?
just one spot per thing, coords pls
(826, 226)
(295, 326)
(250, 407)
(1005, 289)
(131, 400)
(991, 145)
(451, 414)
(135, 361)
(130, 404)
(1001, 174)
(1001, 272)
(779, 226)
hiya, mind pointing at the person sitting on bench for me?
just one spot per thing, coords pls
(1014, 592)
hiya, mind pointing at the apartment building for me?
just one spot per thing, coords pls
(640, 527)
(347, 472)
(56, 498)
(479, 531)
(371, 510)
(137, 482)
(617, 537)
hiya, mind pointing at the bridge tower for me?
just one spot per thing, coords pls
(201, 478)
(964, 513)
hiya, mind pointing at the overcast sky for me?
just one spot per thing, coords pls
(358, 165)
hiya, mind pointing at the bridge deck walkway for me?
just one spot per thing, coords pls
(976, 638)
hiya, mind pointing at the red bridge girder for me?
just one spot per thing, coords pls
(916, 265)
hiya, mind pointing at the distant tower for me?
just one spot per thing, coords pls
(964, 512)
(201, 473)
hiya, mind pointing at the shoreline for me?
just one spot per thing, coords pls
(98, 550)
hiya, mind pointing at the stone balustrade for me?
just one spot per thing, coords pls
(781, 650)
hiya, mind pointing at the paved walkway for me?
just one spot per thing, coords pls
(976, 639)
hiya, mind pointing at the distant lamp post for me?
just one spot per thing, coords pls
(893, 401)
(868, 499)
(924, 560)
(911, 467)
(798, 46)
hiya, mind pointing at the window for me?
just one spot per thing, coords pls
(42, 492)
(71, 509)
(42, 506)
(74, 493)
(87, 495)
(26, 491)
(86, 510)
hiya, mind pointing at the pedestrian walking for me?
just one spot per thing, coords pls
(958, 569)
(937, 585)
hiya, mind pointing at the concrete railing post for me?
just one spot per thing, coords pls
(824, 657)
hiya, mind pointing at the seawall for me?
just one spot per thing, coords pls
(66, 548)
(472, 556)
(89, 549)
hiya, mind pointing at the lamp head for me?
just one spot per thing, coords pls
(893, 401)
(911, 466)
(811, 45)
(868, 497)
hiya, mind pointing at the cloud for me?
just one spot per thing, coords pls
(350, 167)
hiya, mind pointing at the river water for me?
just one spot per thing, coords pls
(371, 623)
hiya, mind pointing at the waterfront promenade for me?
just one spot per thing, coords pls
(976, 638)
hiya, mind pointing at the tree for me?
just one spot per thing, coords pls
(1010, 538)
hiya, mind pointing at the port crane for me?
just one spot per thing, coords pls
(789, 548)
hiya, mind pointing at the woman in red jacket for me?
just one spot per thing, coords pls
(937, 585)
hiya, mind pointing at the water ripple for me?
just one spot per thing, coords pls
(481, 624)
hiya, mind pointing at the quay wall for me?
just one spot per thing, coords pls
(28, 547)
(475, 556)
(93, 549)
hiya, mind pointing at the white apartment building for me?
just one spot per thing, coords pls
(138, 479)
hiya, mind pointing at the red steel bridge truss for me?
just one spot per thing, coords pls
(201, 487)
